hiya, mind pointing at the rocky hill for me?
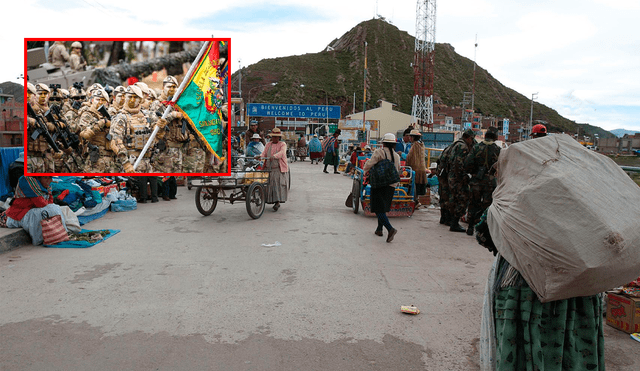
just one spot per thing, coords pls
(336, 73)
(11, 88)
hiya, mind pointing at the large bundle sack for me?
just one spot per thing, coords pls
(567, 218)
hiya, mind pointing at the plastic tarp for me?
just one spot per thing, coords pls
(7, 156)
(83, 244)
(566, 218)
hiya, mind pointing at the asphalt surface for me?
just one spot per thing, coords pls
(175, 290)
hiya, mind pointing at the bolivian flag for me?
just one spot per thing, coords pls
(203, 95)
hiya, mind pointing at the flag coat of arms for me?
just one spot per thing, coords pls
(203, 96)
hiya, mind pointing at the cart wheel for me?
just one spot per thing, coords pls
(355, 191)
(255, 200)
(206, 200)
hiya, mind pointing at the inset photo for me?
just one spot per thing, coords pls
(121, 107)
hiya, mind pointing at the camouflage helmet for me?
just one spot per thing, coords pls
(74, 92)
(144, 87)
(76, 44)
(152, 94)
(31, 88)
(40, 87)
(169, 80)
(135, 90)
(469, 133)
(119, 90)
(64, 92)
(100, 93)
(94, 87)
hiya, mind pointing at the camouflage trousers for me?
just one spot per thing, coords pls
(443, 192)
(458, 195)
(40, 162)
(66, 163)
(214, 165)
(193, 160)
(104, 164)
(169, 161)
(480, 199)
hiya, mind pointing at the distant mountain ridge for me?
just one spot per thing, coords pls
(621, 132)
(333, 75)
(11, 88)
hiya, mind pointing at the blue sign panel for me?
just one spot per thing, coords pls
(293, 110)
(505, 128)
(467, 125)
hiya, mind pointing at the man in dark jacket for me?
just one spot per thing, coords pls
(479, 163)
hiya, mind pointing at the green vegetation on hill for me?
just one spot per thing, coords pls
(390, 53)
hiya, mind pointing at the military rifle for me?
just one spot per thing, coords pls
(41, 129)
(54, 116)
(67, 138)
(103, 111)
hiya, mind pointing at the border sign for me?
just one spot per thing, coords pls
(293, 110)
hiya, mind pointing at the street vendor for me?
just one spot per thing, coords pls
(275, 153)
(32, 198)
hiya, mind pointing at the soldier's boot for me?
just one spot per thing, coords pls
(470, 229)
(455, 225)
(443, 216)
(447, 218)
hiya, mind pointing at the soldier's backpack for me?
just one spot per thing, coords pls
(383, 173)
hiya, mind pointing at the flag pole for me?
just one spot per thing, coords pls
(173, 99)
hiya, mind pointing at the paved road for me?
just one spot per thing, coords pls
(178, 291)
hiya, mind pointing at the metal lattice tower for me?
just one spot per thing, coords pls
(423, 64)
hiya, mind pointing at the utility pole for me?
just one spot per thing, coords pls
(473, 91)
(533, 96)
(364, 103)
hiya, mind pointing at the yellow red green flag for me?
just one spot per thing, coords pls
(204, 95)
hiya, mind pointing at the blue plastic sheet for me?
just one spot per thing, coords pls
(83, 244)
(7, 155)
(124, 205)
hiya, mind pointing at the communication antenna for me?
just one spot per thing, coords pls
(423, 64)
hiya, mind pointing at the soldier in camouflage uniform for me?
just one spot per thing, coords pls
(443, 185)
(479, 163)
(31, 93)
(458, 179)
(39, 153)
(130, 131)
(146, 102)
(77, 97)
(184, 152)
(117, 101)
(58, 54)
(76, 60)
(169, 160)
(97, 154)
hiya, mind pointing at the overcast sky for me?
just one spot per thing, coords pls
(582, 57)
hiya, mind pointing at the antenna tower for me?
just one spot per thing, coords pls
(423, 64)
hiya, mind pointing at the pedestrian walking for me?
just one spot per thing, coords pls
(330, 147)
(382, 194)
(415, 160)
(522, 333)
(275, 153)
(315, 149)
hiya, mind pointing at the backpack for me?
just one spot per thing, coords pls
(383, 173)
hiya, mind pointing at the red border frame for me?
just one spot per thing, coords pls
(25, 136)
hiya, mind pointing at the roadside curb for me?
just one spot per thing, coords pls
(14, 239)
